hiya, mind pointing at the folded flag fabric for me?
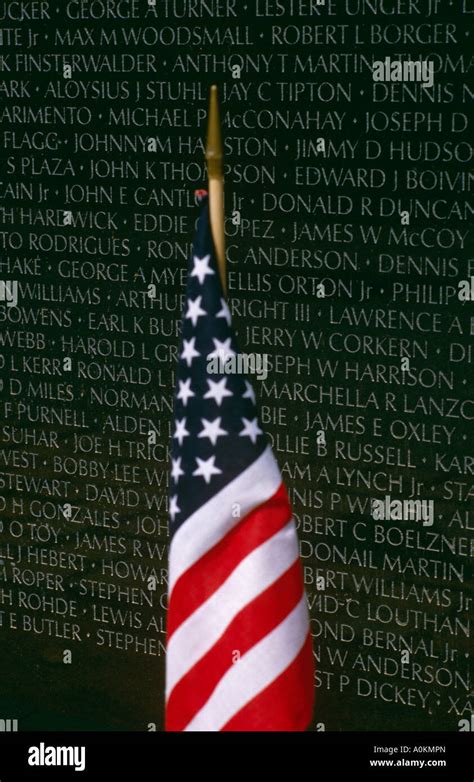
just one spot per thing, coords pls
(239, 651)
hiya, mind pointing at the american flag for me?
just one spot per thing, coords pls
(239, 651)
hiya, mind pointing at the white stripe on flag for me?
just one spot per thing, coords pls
(197, 634)
(254, 671)
(204, 528)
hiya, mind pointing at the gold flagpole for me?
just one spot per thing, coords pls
(215, 173)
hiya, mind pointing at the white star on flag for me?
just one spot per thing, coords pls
(176, 470)
(185, 392)
(212, 429)
(224, 312)
(217, 390)
(251, 429)
(201, 268)
(174, 506)
(206, 468)
(189, 351)
(222, 350)
(181, 431)
(194, 310)
(250, 393)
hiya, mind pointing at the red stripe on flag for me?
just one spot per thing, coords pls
(202, 579)
(253, 623)
(286, 704)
